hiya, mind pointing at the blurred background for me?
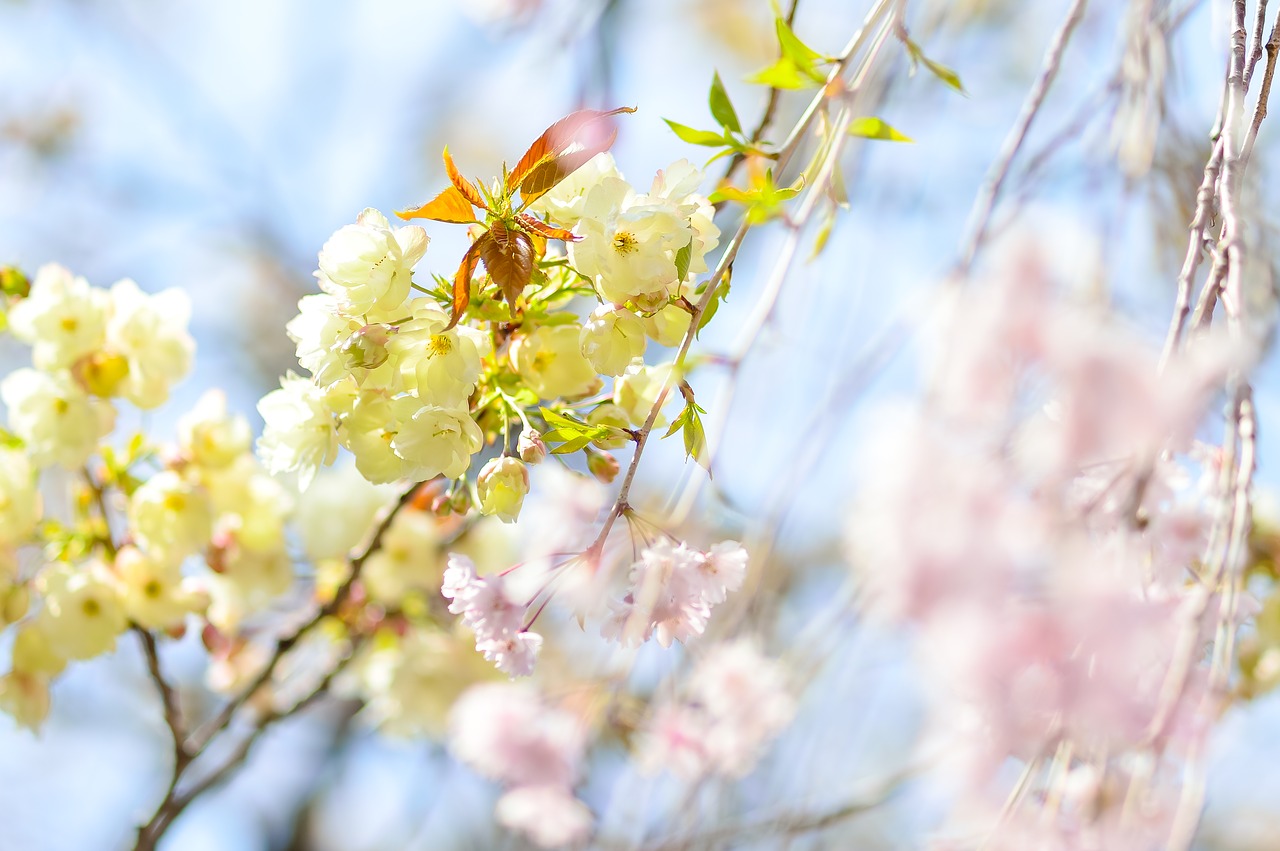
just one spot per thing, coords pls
(215, 147)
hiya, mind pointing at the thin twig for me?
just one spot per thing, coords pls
(1195, 249)
(1264, 94)
(984, 205)
(174, 802)
(1259, 26)
(788, 824)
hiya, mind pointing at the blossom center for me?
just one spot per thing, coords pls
(439, 344)
(624, 243)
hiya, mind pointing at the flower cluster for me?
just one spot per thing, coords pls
(90, 347)
(1040, 527)
(736, 702)
(510, 734)
(414, 392)
(389, 380)
(497, 620)
(673, 588)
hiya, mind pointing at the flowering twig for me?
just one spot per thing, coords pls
(785, 154)
(767, 304)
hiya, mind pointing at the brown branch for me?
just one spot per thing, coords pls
(1195, 248)
(1259, 25)
(168, 697)
(1264, 94)
(174, 802)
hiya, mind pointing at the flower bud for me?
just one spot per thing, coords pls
(366, 348)
(14, 283)
(602, 465)
(502, 484)
(530, 447)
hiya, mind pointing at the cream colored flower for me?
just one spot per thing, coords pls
(153, 591)
(435, 440)
(170, 517)
(63, 318)
(209, 436)
(299, 434)
(409, 559)
(439, 366)
(54, 417)
(150, 333)
(636, 392)
(629, 243)
(611, 338)
(82, 612)
(550, 360)
(368, 266)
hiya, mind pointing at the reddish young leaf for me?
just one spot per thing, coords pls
(464, 186)
(507, 254)
(462, 280)
(562, 149)
(449, 206)
(545, 230)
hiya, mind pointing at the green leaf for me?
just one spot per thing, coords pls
(683, 257)
(695, 441)
(721, 107)
(571, 446)
(874, 128)
(571, 433)
(764, 200)
(942, 72)
(721, 294)
(689, 422)
(824, 232)
(802, 54)
(706, 138)
(945, 74)
(785, 74)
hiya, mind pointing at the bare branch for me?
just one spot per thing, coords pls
(984, 205)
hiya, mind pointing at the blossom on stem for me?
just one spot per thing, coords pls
(673, 588)
(368, 265)
(736, 701)
(299, 434)
(57, 421)
(496, 619)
